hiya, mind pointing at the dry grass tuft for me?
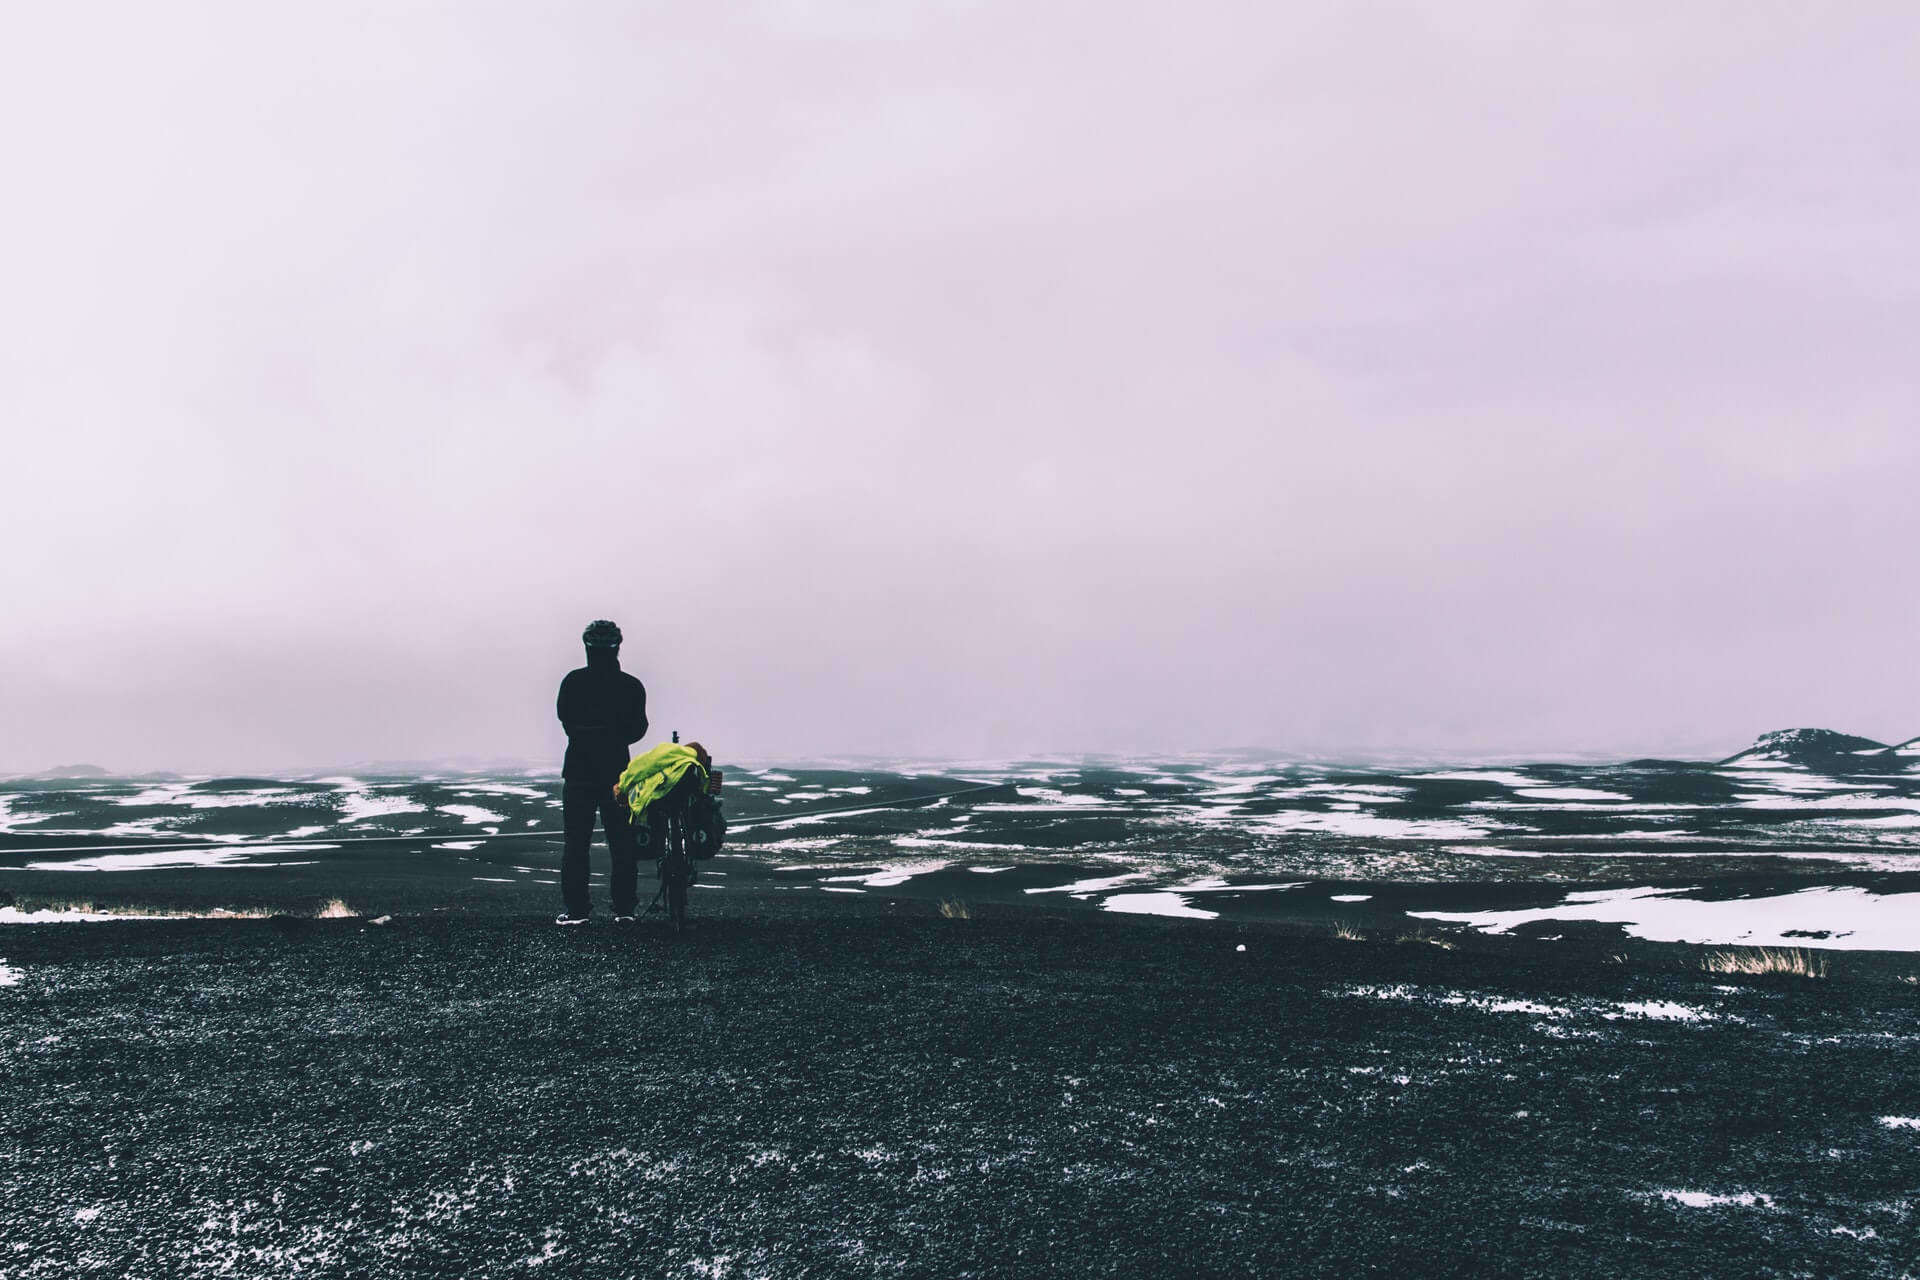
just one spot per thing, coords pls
(1797, 961)
(955, 909)
(27, 903)
(1421, 935)
(334, 909)
(1349, 933)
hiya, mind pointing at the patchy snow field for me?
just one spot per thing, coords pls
(1649, 847)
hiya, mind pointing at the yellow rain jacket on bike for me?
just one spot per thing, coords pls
(653, 773)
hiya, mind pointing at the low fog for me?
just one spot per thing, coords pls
(956, 380)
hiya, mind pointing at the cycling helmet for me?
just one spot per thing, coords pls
(601, 635)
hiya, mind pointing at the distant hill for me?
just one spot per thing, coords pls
(1825, 751)
(77, 771)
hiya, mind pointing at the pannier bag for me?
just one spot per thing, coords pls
(671, 774)
(706, 825)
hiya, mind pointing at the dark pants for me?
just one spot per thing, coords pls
(581, 803)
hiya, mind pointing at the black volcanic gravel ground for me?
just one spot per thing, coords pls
(812, 1087)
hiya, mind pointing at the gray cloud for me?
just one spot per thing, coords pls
(962, 379)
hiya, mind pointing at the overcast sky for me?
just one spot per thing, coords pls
(957, 379)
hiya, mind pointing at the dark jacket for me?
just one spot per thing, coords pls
(604, 711)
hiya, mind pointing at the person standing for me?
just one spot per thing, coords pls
(604, 711)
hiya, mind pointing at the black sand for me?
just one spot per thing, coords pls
(815, 1084)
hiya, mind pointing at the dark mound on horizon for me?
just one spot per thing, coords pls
(1826, 751)
(74, 772)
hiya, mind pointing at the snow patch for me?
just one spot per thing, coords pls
(1081, 888)
(227, 856)
(500, 789)
(359, 806)
(472, 814)
(7, 819)
(1523, 1006)
(1661, 1010)
(1511, 780)
(1711, 1200)
(1052, 798)
(1834, 917)
(889, 876)
(1155, 904)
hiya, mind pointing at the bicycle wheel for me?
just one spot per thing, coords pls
(679, 872)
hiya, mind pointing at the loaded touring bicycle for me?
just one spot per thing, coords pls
(674, 796)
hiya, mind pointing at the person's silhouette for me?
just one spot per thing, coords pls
(604, 711)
